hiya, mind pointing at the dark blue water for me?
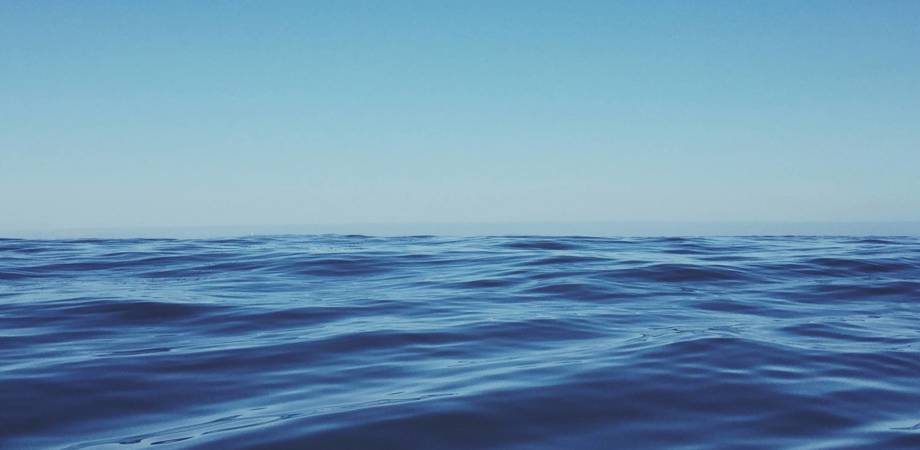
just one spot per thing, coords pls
(495, 342)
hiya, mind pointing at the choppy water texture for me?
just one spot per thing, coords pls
(427, 342)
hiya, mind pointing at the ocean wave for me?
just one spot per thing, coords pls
(442, 342)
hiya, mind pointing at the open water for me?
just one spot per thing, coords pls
(354, 342)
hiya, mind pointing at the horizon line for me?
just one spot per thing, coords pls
(584, 228)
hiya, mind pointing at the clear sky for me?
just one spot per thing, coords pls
(127, 114)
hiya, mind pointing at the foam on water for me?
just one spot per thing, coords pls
(430, 342)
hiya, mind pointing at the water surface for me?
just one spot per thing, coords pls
(489, 342)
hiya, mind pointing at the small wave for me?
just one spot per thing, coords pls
(539, 244)
(565, 260)
(341, 267)
(857, 266)
(679, 273)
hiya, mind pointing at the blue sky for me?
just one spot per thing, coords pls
(135, 114)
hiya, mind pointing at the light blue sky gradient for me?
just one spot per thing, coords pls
(137, 114)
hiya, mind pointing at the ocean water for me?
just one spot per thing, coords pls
(354, 342)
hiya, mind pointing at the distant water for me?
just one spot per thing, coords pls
(352, 342)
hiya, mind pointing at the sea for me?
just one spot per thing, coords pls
(433, 342)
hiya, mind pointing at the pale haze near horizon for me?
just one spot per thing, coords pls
(195, 114)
